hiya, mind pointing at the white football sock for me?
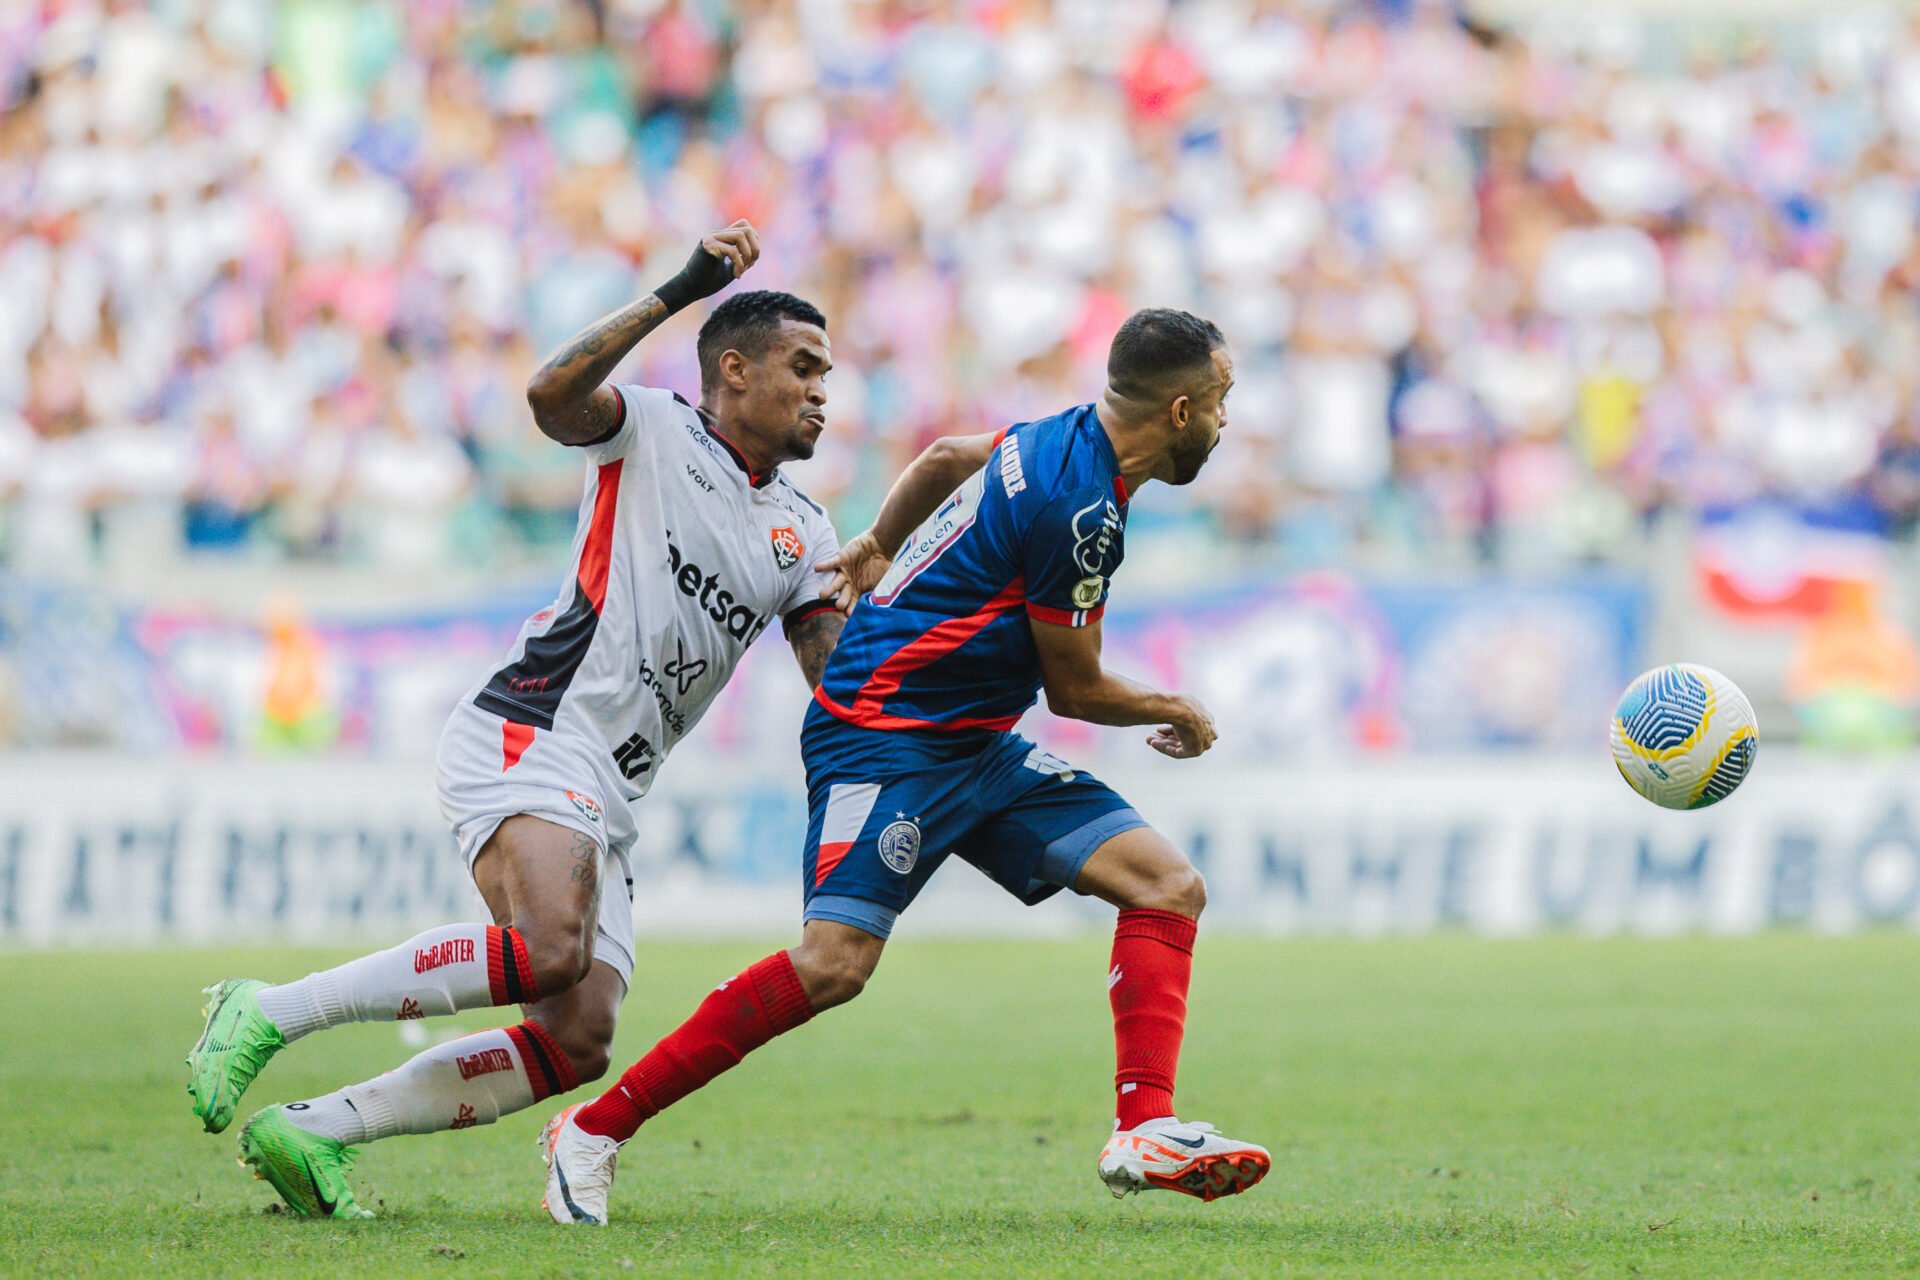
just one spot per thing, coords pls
(454, 967)
(470, 1081)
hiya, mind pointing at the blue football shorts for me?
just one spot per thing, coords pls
(878, 829)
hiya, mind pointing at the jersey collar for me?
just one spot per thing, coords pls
(1105, 446)
(758, 479)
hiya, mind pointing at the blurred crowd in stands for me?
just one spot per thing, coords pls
(275, 273)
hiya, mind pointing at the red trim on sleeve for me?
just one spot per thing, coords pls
(801, 612)
(1065, 617)
(1120, 489)
(618, 422)
(597, 555)
(998, 438)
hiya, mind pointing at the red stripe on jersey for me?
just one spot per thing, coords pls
(939, 641)
(869, 718)
(1120, 489)
(515, 738)
(1002, 435)
(596, 557)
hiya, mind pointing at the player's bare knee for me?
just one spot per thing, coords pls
(831, 981)
(842, 985)
(1194, 893)
(590, 1064)
(831, 975)
(1179, 888)
(834, 961)
(560, 958)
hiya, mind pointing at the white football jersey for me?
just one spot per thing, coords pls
(682, 559)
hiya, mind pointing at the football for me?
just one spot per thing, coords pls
(1684, 736)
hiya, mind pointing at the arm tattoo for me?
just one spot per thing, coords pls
(586, 859)
(813, 639)
(561, 390)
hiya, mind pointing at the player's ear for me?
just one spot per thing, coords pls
(733, 369)
(1181, 411)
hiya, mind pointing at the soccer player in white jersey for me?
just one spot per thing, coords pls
(691, 543)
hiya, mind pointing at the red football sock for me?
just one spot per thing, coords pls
(1152, 965)
(744, 1013)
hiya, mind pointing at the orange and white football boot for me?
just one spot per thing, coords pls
(1193, 1159)
(579, 1171)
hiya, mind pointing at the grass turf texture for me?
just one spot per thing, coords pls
(1441, 1106)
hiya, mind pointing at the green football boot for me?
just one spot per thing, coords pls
(309, 1171)
(235, 1046)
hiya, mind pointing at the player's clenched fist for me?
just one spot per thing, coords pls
(1190, 732)
(738, 244)
(720, 258)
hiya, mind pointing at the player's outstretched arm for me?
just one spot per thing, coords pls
(926, 483)
(1079, 688)
(566, 394)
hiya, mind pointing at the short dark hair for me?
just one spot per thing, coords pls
(746, 322)
(1156, 347)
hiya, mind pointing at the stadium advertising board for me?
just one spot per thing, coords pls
(121, 851)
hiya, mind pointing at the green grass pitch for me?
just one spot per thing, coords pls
(1448, 1106)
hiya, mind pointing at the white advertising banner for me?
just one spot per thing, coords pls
(114, 850)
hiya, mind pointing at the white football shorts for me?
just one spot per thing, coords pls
(490, 770)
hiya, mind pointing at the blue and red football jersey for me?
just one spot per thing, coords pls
(943, 643)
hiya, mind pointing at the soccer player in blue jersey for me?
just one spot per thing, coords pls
(911, 757)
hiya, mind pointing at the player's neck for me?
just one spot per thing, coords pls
(1140, 455)
(759, 456)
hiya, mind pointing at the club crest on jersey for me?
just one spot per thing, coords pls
(900, 846)
(586, 805)
(1086, 592)
(787, 547)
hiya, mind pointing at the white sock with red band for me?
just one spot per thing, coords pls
(466, 1082)
(444, 970)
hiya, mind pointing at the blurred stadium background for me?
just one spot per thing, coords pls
(1569, 342)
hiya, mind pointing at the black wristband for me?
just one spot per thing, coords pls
(702, 277)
